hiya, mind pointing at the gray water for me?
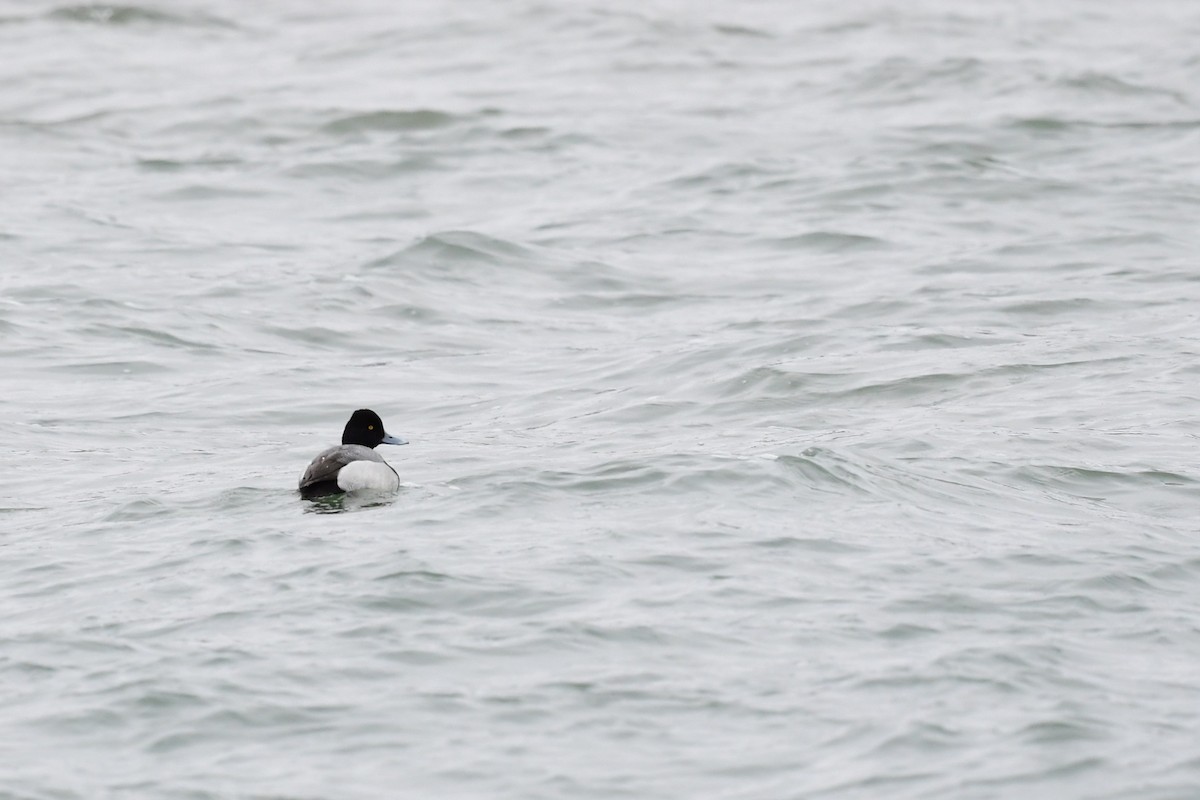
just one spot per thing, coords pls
(802, 399)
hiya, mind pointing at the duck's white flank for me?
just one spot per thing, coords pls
(365, 475)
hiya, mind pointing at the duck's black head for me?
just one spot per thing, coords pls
(366, 428)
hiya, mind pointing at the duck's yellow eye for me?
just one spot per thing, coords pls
(370, 427)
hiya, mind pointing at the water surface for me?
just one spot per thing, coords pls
(802, 399)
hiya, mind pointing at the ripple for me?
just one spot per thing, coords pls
(138, 510)
(112, 368)
(119, 15)
(415, 120)
(363, 169)
(830, 242)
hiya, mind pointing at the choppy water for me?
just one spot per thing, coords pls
(802, 399)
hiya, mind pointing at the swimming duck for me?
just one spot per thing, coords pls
(353, 465)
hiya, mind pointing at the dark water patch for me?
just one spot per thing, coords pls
(774, 382)
(880, 192)
(452, 248)
(616, 476)
(1072, 306)
(475, 597)
(272, 132)
(413, 657)
(122, 15)
(901, 485)
(317, 336)
(222, 545)
(157, 337)
(1097, 483)
(676, 238)
(581, 633)
(514, 488)
(382, 214)
(747, 477)
(771, 381)
(1110, 242)
(742, 31)
(20, 509)
(1124, 583)
(634, 302)
(515, 602)
(1143, 125)
(680, 562)
(900, 80)
(413, 313)
(258, 715)
(955, 143)
(164, 703)
(1030, 563)
(721, 179)
(82, 722)
(526, 132)
(602, 278)
(28, 671)
(830, 242)
(941, 682)
(170, 165)
(1060, 606)
(950, 604)
(392, 120)
(392, 603)
(364, 169)
(1099, 766)
(932, 385)
(875, 310)
(807, 544)
(125, 416)
(1099, 83)
(407, 576)
(943, 341)
(112, 368)
(200, 192)
(1183, 572)
(60, 127)
(1043, 125)
(821, 472)
(650, 411)
(138, 511)
(238, 497)
(1049, 732)
(55, 293)
(1021, 369)
(907, 632)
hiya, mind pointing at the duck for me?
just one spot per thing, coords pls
(353, 465)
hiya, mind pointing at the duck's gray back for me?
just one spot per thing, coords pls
(325, 466)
